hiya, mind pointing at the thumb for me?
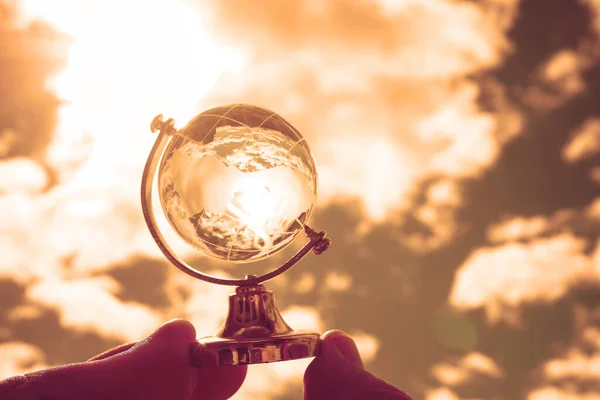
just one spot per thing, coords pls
(338, 373)
(157, 367)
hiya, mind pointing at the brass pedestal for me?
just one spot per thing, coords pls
(253, 333)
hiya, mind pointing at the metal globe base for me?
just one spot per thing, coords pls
(253, 333)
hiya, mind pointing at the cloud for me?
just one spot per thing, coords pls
(368, 345)
(22, 175)
(559, 79)
(517, 228)
(526, 261)
(362, 82)
(204, 304)
(89, 304)
(338, 282)
(367, 167)
(594, 7)
(7, 138)
(438, 215)
(561, 76)
(19, 358)
(305, 283)
(524, 229)
(441, 394)
(80, 227)
(592, 211)
(584, 143)
(578, 366)
(595, 174)
(514, 273)
(303, 318)
(467, 132)
(465, 369)
(410, 35)
(549, 393)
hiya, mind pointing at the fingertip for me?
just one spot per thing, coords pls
(331, 335)
(337, 341)
(331, 367)
(176, 330)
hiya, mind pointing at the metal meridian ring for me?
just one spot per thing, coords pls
(318, 242)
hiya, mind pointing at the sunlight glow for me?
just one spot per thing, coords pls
(254, 202)
(122, 71)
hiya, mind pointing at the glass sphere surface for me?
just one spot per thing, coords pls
(237, 183)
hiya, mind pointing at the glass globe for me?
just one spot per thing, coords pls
(237, 183)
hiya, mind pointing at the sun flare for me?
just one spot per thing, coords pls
(122, 71)
(254, 202)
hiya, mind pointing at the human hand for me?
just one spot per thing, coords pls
(157, 367)
(338, 373)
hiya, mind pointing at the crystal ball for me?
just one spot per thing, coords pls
(237, 183)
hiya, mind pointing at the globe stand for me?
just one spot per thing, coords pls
(254, 331)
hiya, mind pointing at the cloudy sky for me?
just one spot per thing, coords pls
(458, 149)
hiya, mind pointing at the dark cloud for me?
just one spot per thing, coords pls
(45, 331)
(142, 280)
(28, 111)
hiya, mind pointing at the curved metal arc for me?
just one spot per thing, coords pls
(318, 241)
